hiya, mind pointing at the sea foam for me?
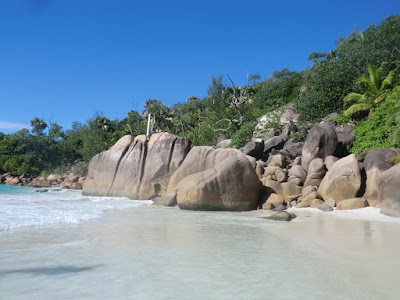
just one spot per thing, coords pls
(23, 207)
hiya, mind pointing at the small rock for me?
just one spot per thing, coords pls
(268, 206)
(316, 203)
(76, 186)
(166, 199)
(352, 203)
(277, 160)
(275, 199)
(280, 175)
(42, 191)
(280, 216)
(308, 190)
(321, 205)
(331, 202)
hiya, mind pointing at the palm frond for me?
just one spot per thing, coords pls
(388, 80)
(395, 115)
(353, 97)
(364, 80)
(374, 75)
(357, 108)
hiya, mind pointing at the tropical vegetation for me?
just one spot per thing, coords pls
(345, 80)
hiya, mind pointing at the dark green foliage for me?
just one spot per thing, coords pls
(283, 87)
(22, 152)
(329, 81)
(376, 131)
(243, 135)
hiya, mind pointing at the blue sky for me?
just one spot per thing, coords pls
(65, 60)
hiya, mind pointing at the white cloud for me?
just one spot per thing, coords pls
(13, 125)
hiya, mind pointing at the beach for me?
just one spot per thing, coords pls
(151, 252)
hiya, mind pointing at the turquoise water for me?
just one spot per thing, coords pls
(149, 252)
(15, 190)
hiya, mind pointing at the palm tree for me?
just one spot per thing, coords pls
(375, 85)
(103, 123)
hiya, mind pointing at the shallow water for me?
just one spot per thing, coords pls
(149, 252)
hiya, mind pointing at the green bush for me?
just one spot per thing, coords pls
(281, 88)
(243, 135)
(376, 131)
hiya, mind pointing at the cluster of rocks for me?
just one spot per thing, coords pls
(323, 174)
(68, 181)
(274, 174)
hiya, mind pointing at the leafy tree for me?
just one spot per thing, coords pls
(38, 126)
(135, 123)
(161, 114)
(55, 131)
(96, 135)
(281, 88)
(243, 135)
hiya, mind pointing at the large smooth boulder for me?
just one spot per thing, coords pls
(342, 181)
(129, 167)
(376, 161)
(388, 190)
(321, 141)
(215, 179)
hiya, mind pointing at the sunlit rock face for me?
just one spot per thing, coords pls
(129, 167)
(216, 179)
